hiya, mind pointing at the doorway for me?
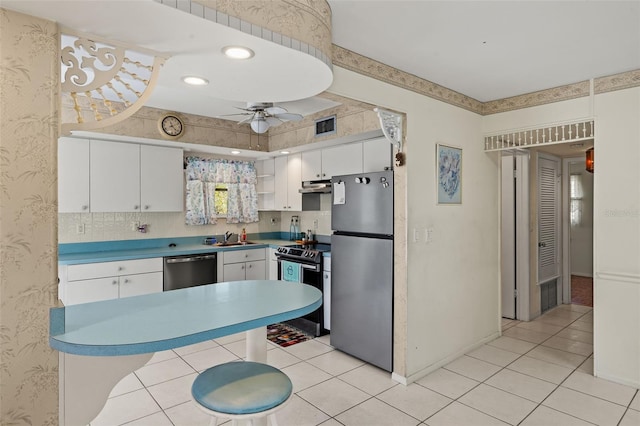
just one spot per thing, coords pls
(578, 220)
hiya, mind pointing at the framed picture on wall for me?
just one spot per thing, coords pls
(449, 174)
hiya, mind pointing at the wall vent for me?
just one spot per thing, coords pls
(326, 126)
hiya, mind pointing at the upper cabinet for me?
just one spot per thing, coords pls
(312, 166)
(376, 155)
(110, 176)
(161, 179)
(287, 181)
(73, 175)
(342, 160)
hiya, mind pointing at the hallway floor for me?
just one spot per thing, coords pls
(537, 373)
(581, 290)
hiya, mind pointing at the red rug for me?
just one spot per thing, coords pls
(285, 335)
(582, 290)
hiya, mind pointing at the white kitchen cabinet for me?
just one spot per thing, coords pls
(92, 282)
(114, 176)
(312, 166)
(342, 159)
(273, 264)
(241, 265)
(265, 171)
(73, 175)
(161, 179)
(288, 180)
(128, 177)
(376, 155)
(326, 291)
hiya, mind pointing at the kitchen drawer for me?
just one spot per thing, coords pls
(94, 290)
(109, 269)
(243, 255)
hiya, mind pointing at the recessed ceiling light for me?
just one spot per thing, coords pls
(284, 152)
(237, 52)
(195, 81)
(234, 152)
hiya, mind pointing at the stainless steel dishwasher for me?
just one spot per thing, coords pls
(190, 271)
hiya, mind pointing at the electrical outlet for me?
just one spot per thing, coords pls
(416, 235)
(80, 228)
(428, 235)
(315, 224)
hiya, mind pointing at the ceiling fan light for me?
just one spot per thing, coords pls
(238, 52)
(260, 125)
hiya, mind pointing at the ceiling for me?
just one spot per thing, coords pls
(487, 50)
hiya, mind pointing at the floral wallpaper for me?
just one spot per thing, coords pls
(29, 76)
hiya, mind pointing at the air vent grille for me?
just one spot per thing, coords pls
(326, 126)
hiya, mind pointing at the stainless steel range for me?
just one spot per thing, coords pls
(303, 264)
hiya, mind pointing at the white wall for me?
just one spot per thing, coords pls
(452, 283)
(617, 237)
(616, 220)
(582, 233)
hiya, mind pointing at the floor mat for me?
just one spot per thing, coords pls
(285, 335)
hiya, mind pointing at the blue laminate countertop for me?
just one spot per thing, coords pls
(111, 251)
(161, 321)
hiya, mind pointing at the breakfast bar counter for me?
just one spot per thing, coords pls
(101, 342)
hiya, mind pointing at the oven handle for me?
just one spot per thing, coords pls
(312, 267)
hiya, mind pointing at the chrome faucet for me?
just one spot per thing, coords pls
(227, 235)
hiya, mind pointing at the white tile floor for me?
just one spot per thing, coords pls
(537, 373)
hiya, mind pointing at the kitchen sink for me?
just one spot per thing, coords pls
(235, 243)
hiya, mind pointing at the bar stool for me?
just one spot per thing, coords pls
(243, 390)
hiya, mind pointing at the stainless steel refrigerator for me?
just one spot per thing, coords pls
(362, 266)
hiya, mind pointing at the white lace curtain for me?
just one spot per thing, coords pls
(239, 177)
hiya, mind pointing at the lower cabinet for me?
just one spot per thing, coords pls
(273, 264)
(239, 265)
(93, 282)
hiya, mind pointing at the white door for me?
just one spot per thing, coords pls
(294, 182)
(138, 284)
(548, 218)
(508, 238)
(256, 270)
(234, 272)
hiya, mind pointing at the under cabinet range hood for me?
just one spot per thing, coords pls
(316, 187)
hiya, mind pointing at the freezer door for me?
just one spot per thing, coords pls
(368, 203)
(362, 298)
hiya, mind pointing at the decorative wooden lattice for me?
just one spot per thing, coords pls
(103, 82)
(566, 132)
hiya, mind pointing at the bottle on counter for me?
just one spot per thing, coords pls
(292, 231)
(243, 236)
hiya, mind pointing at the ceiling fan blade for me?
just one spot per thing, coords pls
(246, 120)
(273, 121)
(275, 110)
(288, 116)
(231, 115)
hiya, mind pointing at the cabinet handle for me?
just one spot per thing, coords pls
(326, 276)
(242, 267)
(250, 266)
(136, 207)
(126, 280)
(85, 207)
(318, 175)
(289, 207)
(120, 268)
(114, 282)
(284, 207)
(146, 207)
(323, 175)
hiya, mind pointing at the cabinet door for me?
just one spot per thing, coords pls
(273, 264)
(135, 285)
(376, 155)
(294, 182)
(312, 166)
(280, 183)
(255, 270)
(161, 179)
(115, 176)
(86, 291)
(234, 272)
(342, 160)
(73, 175)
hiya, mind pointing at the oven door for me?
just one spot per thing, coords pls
(311, 274)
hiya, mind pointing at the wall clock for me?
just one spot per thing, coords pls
(171, 126)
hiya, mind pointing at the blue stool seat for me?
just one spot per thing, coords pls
(238, 388)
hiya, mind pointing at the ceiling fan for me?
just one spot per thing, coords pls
(263, 115)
